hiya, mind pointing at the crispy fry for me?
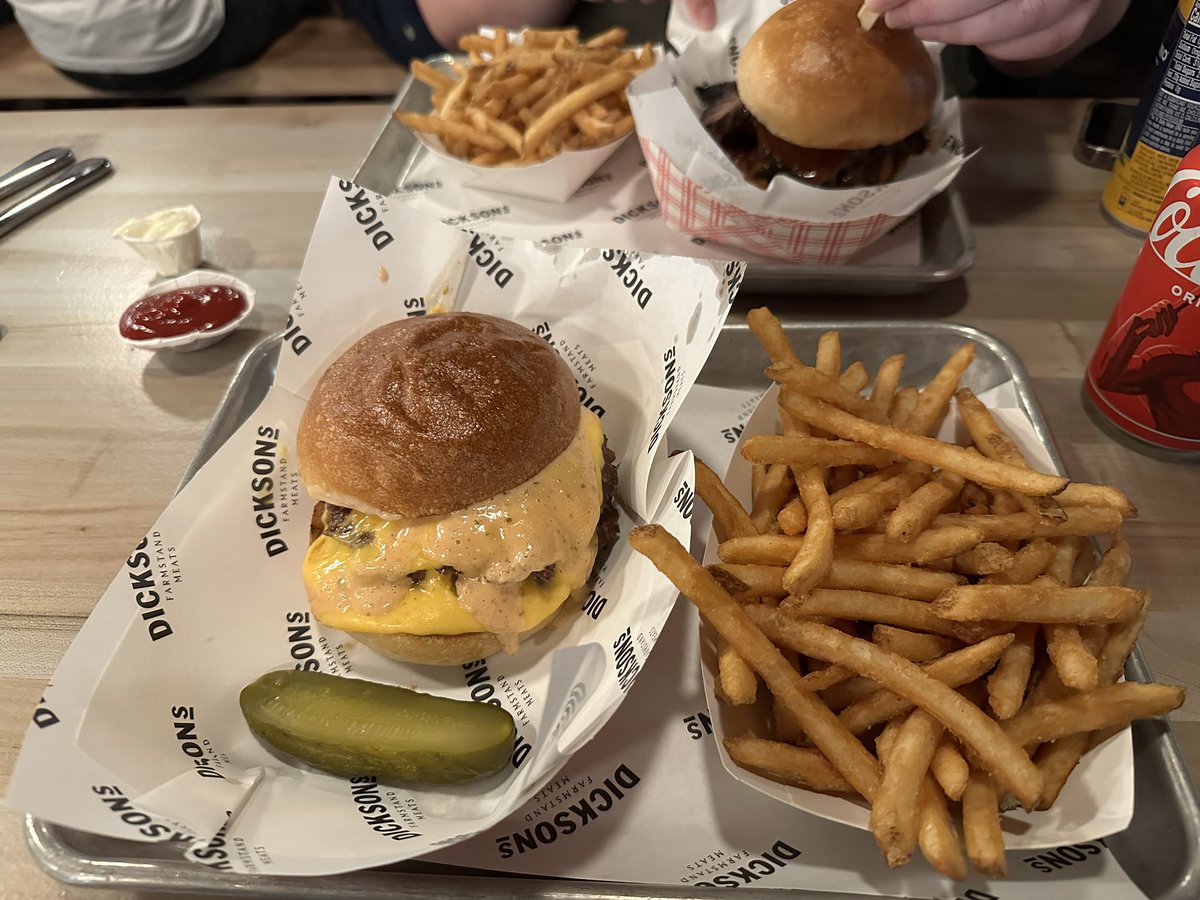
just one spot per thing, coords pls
(916, 511)
(916, 615)
(1119, 644)
(797, 377)
(995, 749)
(613, 37)
(987, 558)
(450, 130)
(1075, 664)
(1044, 600)
(729, 620)
(1100, 496)
(811, 451)
(934, 400)
(735, 679)
(502, 130)
(770, 334)
(924, 449)
(1006, 685)
(931, 544)
(887, 379)
(811, 562)
(950, 768)
(562, 110)
(911, 645)
(866, 508)
(730, 518)
(426, 73)
(895, 811)
(1028, 563)
(1080, 520)
(981, 825)
(1057, 760)
(829, 353)
(1106, 707)
(791, 765)
(887, 578)
(855, 377)
(770, 496)
(939, 842)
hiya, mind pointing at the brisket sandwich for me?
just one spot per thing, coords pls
(819, 99)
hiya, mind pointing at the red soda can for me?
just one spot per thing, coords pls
(1145, 374)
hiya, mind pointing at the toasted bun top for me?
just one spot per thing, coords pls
(428, 415)
(813, 77)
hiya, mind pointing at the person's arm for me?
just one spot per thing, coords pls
(1021, 37)
(448, 20)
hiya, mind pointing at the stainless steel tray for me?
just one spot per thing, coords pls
(1160, 850)
(947, 244)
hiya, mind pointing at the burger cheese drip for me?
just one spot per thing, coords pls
(502, 565)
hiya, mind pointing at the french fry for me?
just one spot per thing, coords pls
(729, 620)
(1076, 666)
(934, 400)
(939, 843)
(931, 544)
(450, 130)
(736, 679)
(910, 582)
(427, 74)
(855, 377)
(795, 376)
(578, 99)
(1006, 685)
(895, 811)
(811, 451)
(823, 415)
(815, 555)
(730, 518)
(770, 335)
(1041, 601)
(916, 615)
(994, 748)
(916, 512)
(981, 825)
(829, 353)
(1099, 496)
(770, 496)
(613, 37)
(792, 765)
(1106, 707)
(949, 768)
(986, 558)
(1080, 520)
(865, 509)
(1028, 563)
(887, 379)
(912, 645)
(1057, 761)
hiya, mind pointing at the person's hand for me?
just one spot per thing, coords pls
(1003, 29)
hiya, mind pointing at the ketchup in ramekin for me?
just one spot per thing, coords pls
(189, 310)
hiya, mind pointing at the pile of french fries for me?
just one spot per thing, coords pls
(930, 619)
(519, 103)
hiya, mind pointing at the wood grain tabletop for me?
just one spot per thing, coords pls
(94, 436)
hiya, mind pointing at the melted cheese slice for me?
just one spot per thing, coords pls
(496, 546)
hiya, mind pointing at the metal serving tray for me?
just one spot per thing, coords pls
(1160, 850)
(947, 244)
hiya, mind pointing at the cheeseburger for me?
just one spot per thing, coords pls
(464, 495)
(821, 100)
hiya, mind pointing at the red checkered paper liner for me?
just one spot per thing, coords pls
(690, 208)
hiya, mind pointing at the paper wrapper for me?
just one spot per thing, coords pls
(1098, 798)
(702, 193)
(212, 597)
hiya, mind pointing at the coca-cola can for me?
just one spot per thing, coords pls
(1145, 374)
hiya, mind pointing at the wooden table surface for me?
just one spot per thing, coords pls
(94, 436)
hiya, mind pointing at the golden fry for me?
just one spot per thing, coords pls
(811, 451)
(730, 518)
(1041, 601)
(791, 765)
(981, 825)
(1106, 707)
(811, 562)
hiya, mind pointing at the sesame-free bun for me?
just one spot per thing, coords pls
(814, 78)
(431, 414)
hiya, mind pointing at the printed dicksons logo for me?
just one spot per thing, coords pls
(366, 215)
(1047, 861)
(626, 659)
(141, 822)
(641, 211)
(559, 239)
(765, 864)
(264, 483)
(477, 215)
(153, 570)
(369, 799)
(585, 368)
(627, 267)
(732, 279)
(670, 384)
(1175, 234)
(485, 689)
(599, 800)
(294, 337)
(417, 187)
(698, 725)
(213, 852)
(488, 259)
(199, 751)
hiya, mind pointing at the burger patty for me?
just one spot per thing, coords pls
(760, 155)
(334, 522)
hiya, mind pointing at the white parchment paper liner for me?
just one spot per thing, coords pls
(1098, 798)
(212, 597)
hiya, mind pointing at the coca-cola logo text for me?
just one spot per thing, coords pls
(1175, 234)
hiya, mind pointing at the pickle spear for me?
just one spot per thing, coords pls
(347, 726)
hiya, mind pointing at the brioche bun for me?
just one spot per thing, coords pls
(422, 416)
(813, 77)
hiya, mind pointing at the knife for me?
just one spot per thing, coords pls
(34, 170)
(71, 181)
